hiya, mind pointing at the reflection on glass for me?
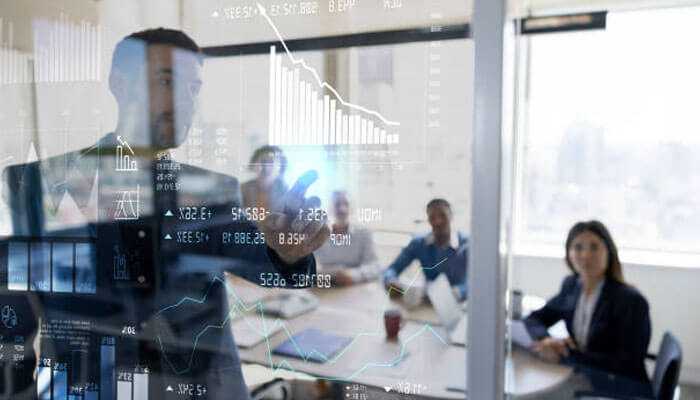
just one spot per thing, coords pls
(85, 268)
(17, 266)
(62, 259)
(152, 183)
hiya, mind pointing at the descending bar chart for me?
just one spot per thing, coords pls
(304, 113)
(301, 114)
(125, 162)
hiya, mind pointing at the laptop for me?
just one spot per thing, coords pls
(451, 314)
(520, 335)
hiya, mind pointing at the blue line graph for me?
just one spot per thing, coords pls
(240, 306)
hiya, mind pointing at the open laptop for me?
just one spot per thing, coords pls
(451, 314)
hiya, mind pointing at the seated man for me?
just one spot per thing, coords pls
(349, 257)
(441, 251)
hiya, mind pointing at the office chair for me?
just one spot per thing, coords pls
(276, 389)
(666, 373)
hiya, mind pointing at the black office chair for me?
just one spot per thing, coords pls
(666, 373)
(276, 389)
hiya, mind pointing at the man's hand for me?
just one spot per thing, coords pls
(552, 349)
(342, 278)
(290, 233)
(395, 289)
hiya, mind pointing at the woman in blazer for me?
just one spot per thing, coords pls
(607, 319)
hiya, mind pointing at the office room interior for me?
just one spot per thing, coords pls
(589, 109)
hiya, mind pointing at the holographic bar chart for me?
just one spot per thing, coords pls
(300, 113)
(63, 51)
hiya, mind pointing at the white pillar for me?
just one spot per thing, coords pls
(486, 333)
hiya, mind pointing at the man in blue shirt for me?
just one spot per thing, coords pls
(440, 251)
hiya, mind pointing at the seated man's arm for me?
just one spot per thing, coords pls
(405, 258)
(369, 268)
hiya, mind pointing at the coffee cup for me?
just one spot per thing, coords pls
(392, 323)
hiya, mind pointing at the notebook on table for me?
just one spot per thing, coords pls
(313, 345)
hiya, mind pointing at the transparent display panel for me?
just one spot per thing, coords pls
(258, 191)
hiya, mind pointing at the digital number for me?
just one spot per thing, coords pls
(322, 281)
(249, 213)
(195, 213)
(125, 376)
(250, 238)
(191, 389)
(313, 214)
(290, 239)
(192, 237)
(272, 280)
(239, 12)
(129, 330)
(340, 239)
(340, 5)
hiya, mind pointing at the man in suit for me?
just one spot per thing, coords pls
(149, 243)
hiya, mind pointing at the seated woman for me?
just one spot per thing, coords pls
(607, 319)
(349, 255)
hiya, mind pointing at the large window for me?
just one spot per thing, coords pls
(611, 132)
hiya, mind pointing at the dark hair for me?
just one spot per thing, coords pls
(438, 203)
(130, 52)
(338, 193)
(614, 267)
(260, 151)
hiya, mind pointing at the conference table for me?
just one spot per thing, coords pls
(421, 359)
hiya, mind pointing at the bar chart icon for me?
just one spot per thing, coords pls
(301, 113)
(125, 161)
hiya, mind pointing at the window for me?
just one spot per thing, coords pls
(611, 132)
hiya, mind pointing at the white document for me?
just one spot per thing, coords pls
(252, 329)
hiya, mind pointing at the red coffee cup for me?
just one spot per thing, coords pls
(392, 324)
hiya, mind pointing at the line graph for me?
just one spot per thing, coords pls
(239, 306)
(299, 114)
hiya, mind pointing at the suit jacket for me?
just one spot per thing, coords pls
(620, 327)
(173, 295)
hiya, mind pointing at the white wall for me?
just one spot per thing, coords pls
(672, 292)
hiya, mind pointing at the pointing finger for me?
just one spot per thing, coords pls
(312, 202)
(294, 199)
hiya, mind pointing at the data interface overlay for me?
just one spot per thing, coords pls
(199, 197)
